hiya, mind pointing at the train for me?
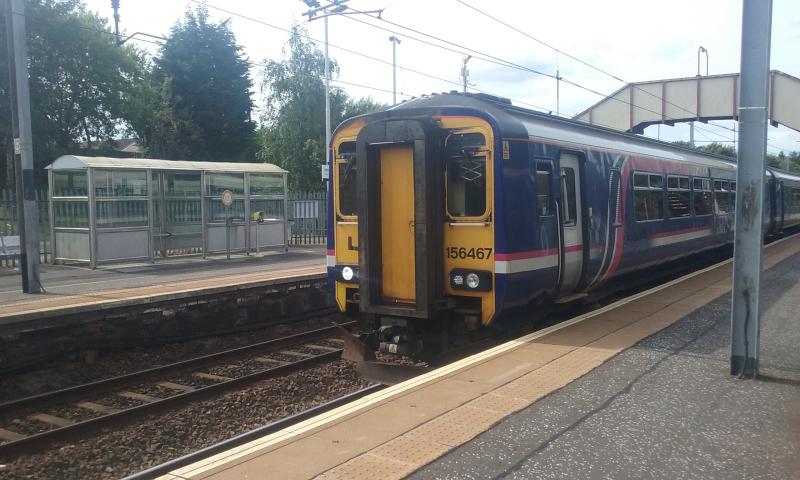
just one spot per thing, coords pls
(450, 212)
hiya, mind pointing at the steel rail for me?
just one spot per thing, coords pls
(129, 378)
(39, 440)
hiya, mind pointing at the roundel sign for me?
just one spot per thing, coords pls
(227, 198)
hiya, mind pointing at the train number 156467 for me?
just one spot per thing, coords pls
(463, 252)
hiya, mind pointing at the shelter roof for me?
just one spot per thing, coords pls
(75, 162)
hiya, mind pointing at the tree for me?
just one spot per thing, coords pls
(726, 150)
(293, 131)
(204, 106)
(81, 82)
(714, 147)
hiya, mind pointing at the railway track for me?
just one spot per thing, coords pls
(30, 423)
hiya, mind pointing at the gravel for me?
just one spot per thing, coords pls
(72, 371)
(123, 450)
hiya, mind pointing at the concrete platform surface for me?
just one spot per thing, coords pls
(636, 389)
(665, 408)
(70, 285)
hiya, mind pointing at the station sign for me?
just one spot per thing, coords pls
(227, 198)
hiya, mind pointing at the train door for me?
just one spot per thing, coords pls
(571, 218)
(397, 225)
(400, 216)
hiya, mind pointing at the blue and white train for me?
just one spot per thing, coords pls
(450, 211)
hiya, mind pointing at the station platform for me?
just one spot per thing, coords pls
(637, 389)
(72, 289)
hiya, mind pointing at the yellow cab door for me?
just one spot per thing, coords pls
(397, 224)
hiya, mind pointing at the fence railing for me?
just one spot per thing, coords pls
(308, 216)
(9, 224)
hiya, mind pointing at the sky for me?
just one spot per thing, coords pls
(633, 40)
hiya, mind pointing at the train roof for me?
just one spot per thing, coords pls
(518, 122)
(514, 121)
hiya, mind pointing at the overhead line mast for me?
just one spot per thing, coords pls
(23, 146)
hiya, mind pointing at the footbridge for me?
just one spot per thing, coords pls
(638, 105)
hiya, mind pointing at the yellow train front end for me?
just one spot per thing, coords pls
(413, 231)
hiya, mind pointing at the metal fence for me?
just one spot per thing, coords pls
(9, 224)
(308, 216)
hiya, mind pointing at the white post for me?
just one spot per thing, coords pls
(394, 41)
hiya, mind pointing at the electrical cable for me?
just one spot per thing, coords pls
(594, 67)
(360, 54)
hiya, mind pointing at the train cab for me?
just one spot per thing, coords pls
(412, 223)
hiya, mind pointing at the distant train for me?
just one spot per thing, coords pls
(450, 211)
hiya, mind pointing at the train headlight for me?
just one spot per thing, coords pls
(474, 280)
(348, 274)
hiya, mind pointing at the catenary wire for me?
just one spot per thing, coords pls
(594, 67)
(361, 54)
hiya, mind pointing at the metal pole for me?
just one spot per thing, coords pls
(115, 6)
(465, 72)
(558, 93)
(327, 106)
(394, 73)
(749, 239)
(15, 160)
(29, 228)
(228, 232)
(394, 41)
(151, 247)
(247, 214)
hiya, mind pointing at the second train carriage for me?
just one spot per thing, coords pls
(448, 211)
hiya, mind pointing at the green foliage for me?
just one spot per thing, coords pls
(203, 106)
(293, 131)
(81, 83)
(724, 149)
(790, 162)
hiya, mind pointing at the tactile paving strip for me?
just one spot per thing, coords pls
(412, 450)
(554, 361)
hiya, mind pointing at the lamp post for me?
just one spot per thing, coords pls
(465, 72)
(395, 42)
(316, 11)
(700, 50)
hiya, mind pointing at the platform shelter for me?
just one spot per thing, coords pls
(105, 210)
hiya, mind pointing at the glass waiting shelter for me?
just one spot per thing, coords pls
(106, 210)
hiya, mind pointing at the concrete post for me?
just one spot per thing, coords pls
(749, 240)
(23, 140)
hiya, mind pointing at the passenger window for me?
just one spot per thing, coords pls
(722, 197)
(702, 196)
(792, 196)
(648, 196)
(570, 199)
(346, 173)
(678, 196)
(466, 175)
(543, 175)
